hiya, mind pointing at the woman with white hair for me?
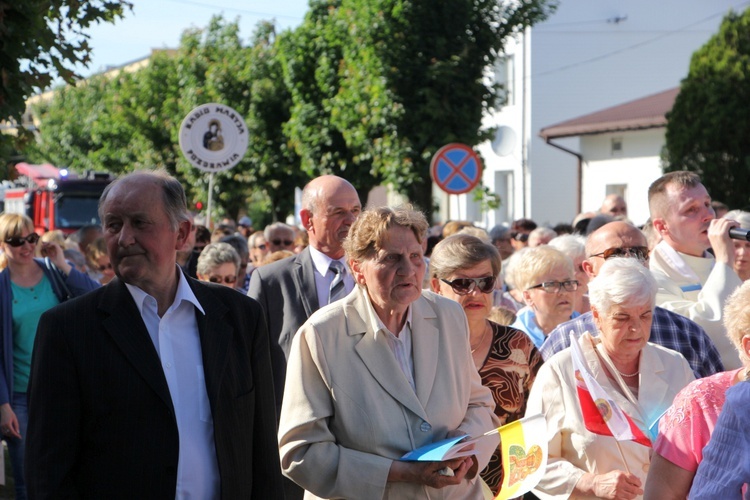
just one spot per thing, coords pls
(574, 246)
(219, 263)
(638, 377)
(741, 247)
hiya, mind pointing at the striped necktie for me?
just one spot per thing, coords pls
(338, 289)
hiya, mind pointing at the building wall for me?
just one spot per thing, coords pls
(629, 171)
(580, 61)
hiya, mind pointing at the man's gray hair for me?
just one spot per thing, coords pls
(173, 195)
(622, 281)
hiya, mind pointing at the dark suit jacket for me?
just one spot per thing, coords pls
(286, 292)
(101, 420)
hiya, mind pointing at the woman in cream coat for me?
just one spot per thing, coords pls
(640, 377)
(384, 371)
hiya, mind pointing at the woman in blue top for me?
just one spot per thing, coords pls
(548, 281)
(28, 287)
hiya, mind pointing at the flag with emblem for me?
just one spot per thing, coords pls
(601, 415)
(524, 455)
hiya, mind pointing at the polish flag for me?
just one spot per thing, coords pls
(601, 415)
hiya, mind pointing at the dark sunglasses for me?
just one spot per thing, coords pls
(279, 242)
(226, 279)
(464, 286)
(17, 241)
(522, 237)
(262, 246)
(105, 267)
(556, 286)
(640, 253)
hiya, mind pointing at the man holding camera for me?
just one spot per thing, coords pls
(692, 282)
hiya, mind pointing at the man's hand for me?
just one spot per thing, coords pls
(721, 243)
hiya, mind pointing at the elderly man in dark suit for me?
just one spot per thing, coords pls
(156, 385)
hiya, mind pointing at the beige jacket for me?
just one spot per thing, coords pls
(349, 411)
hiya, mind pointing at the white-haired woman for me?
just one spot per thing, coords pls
(547, 279)
(741, 247)
(219, 263)
(574, 246)
(639, 377)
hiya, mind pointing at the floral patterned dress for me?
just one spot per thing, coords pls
(508, 371)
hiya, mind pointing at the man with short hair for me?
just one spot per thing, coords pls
(245, 226)
(155, 385)
(615, 206)
(692, 282)
(668, 329)
(257, 248)
(292, 289)
(279, 236)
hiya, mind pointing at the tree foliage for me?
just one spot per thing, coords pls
(379, 86)
(709, 125)
(43, 39)
(131, 120)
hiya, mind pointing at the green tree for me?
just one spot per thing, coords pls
(42, 40)
(131, 120)
(709, 125)
(380, 85)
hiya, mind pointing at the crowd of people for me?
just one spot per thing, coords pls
(155, 357)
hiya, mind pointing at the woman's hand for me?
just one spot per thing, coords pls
(429, 473)
(9, 422)
(615, 485)
(55, 254)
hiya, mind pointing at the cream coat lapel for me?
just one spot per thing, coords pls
(425, 347)
(378, 357)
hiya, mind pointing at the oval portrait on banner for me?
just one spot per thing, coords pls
(213, 137)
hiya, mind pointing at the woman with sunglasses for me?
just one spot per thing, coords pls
(464, 268)
(28, 287)
(547, 279)
(219, 263)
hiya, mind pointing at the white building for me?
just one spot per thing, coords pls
(619, 151)
(589, 55)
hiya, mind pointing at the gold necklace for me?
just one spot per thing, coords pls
(486, 327)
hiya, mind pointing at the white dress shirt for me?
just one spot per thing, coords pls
(324, 276)
(177, 342)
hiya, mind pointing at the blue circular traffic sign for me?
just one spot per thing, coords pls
(456, 168)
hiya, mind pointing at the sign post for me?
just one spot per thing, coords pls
(456, 169)
(213, 138)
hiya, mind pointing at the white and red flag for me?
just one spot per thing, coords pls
(601, 414)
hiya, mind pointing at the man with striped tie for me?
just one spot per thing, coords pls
(291, 289)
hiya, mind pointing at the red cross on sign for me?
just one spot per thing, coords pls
(456, 168)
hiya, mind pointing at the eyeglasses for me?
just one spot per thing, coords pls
(464, 286)
(226, 279)
(17, 241)
(640, 253)
(287, 243)
(262, 246)
(522, 237)
(105, 267)
(556, 286)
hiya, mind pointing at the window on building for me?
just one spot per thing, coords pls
(616, 146)
(505, 75)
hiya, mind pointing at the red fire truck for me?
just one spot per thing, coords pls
(55, 198)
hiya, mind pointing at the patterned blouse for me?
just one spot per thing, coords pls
(508, 371)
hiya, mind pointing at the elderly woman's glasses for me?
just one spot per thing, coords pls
(226, 279)
(640, 253)
(556, 286)
(522, 237)
(286, 243)
(464, 286)
(17, 241)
